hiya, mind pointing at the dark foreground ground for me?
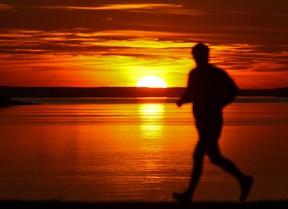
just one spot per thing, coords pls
(142, 205)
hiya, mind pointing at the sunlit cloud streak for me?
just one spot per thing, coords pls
(117, 7)
(84, 42)
(7, 7)
(142, 8)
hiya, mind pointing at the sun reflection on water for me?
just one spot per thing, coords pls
(152, 143)
(151, 116)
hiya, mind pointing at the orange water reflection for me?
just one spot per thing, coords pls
(152, 116)
(114, 152)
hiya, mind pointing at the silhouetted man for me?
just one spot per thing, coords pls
(210, 89)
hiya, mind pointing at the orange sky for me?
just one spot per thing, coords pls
(83, 43)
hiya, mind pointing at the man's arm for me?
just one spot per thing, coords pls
(231, 91)
(187, 97)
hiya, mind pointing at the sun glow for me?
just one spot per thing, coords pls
(152, 82)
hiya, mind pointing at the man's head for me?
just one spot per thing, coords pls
(200, 53)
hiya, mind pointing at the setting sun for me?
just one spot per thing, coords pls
(152, 82)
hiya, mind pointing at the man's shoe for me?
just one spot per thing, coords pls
(245, 185)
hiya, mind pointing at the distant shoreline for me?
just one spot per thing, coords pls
(56, 92)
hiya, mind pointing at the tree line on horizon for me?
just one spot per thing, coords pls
(120, 92)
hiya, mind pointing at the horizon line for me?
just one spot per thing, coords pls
(129, 87)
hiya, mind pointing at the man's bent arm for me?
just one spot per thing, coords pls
(231, 92)
(187, 97)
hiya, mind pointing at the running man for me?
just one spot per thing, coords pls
(210, 89)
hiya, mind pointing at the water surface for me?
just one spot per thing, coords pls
(96, 149)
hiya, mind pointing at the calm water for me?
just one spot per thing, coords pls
(136, 149)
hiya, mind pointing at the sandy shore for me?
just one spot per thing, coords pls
(9, 204)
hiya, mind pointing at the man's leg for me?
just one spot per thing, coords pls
(224, 163)
(212, 135)
(198, 157)
(227, 165)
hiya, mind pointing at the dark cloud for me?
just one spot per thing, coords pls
(224, 22)
(190, 16)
